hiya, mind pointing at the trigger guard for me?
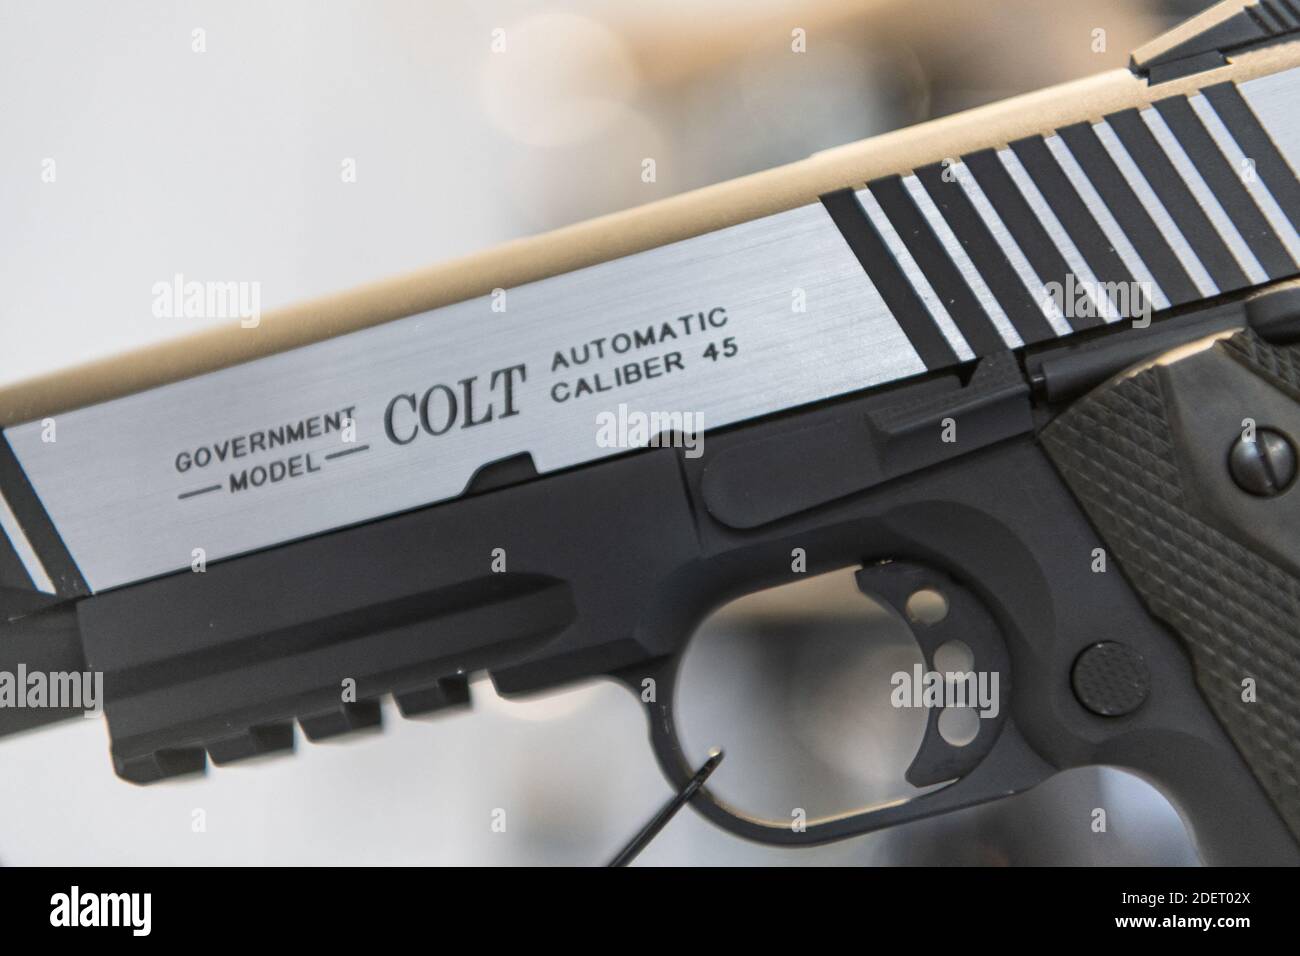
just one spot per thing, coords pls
(1005, 765)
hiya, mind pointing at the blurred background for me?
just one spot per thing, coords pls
(214, 139)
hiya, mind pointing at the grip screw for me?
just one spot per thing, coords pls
(1264, 467)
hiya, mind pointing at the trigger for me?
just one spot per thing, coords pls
(939, 611)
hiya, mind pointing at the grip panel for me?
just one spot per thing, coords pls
(1147, 454)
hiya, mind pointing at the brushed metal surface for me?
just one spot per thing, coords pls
(1132, 174)
(970, 275)
(1272, 98)
(1056, 232)
(914, 274)
(1011, 249)
(1205, 197)
(1255, 185)
(1116, 236)
(111, 483)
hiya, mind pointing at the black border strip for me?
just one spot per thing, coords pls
(38, 527)
(1258, 145)
(1159, 171)
(983, 250)
(1100, 168)
(1226, 185)
(912, 227)
(1089, 238)
(903, 302)
(1030, 235)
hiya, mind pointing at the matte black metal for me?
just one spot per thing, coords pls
(445, 693)
(1226, 184)
(1188, 66)
(38, 633)
(1255, 142)
(758, 482)
(1073, 213)
(892, 583)
(1067, 370)
(1275, 314)
(1129, 212)
(1047, 261)
(350, 717)
(978, 242)
(1252, 24)
(973, 322)
(1155, 485)
(1174, 195)
(906, 306)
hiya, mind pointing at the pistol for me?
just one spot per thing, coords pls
(1032, 371)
